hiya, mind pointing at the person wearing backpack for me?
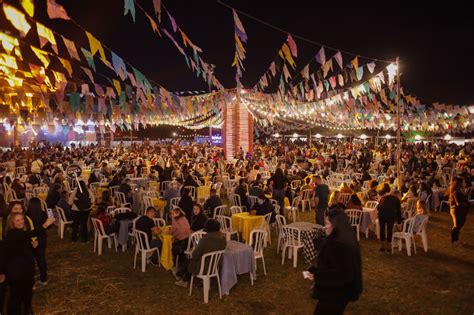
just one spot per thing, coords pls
(81, 205)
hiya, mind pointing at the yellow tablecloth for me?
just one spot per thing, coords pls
(159, 204)
(86, 174)
(206, 179)
(154, 184)
(245, 223)
(42, 196)
(166, 256)
(203, 192)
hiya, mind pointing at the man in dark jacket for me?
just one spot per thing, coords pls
(241, 190)
(212, 203)
(147, 225)
(213, 241)
(262, 207)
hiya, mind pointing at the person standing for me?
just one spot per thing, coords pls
(19, 263)
(338, 274)
(389, 211)
(321, 197)
(81, 202)
(38, 216)
(459, 206)
(280, 183)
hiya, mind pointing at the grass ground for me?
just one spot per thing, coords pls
(440, 281)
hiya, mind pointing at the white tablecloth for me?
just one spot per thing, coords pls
(238, 259)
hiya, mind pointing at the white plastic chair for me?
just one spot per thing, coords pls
(355, 217)
(121, 200)
(344, 198)
(110, 210)
(99, 236)
(143, 247)
(219, 211)
(226, 227)
(235, 200)
(306, 199)
(174, 202)
(252, 201)
(211, 261)
(295, 184)
(62, 222)
(293, 209)
(292, 242)
(280, 221)
(422, 233)
(235, 210)
(407, 235)
(257, 240)
(119, 210)
(40, 190)
(371, 204)
(164, 187)
(132, 232)
(159, 222)
(193, 240)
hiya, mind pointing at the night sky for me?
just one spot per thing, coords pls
(435, 43)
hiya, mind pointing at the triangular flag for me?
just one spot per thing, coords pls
(292, 44)
(74, 101)
(89, 58)
(119, 66)
(273, 69)
(130, 7)
(95, 45)
(56, 11)
(173, 22)
(46, 35)
(287, 54)
(71, 48)
(327, 66)
(67, 65)
(360, 73)
(42, 56)
(286, 73)
(154, 26)
(371, 67)
(340, 79)
(132, 79)
(239, 28)
(88, 72)
(17, 19)
(28, 6)
(338, 57)
(355, 63)
(157, 6)
(117, 86)
(321, 56)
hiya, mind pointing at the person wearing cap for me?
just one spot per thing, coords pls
(213, 241)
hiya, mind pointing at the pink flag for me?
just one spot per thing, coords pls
(173, 22)
(338, 57)
(321, 56)
(56, 11)
(371, 67)
(292, 44)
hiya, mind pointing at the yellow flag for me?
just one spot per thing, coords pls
(46, 35)
(355, 63)
(17, 19)
(28, 6)
(95, 46)
(42, 56)
(117, 86)
(67, 65)
(8, 61)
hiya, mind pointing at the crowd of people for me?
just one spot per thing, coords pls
(281, 171)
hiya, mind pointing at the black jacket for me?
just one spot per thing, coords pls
(338, 274)
(198, 221)
(19, 260)
(186, 204)
(211, 203)
(390, 208)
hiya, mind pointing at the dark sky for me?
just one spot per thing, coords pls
(435, 42)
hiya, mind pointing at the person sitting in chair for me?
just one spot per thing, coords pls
(213, 241)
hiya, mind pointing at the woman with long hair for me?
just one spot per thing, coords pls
(38, 216)
(338, 273)
(19, 261)
(459, 206)
(280, 183)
